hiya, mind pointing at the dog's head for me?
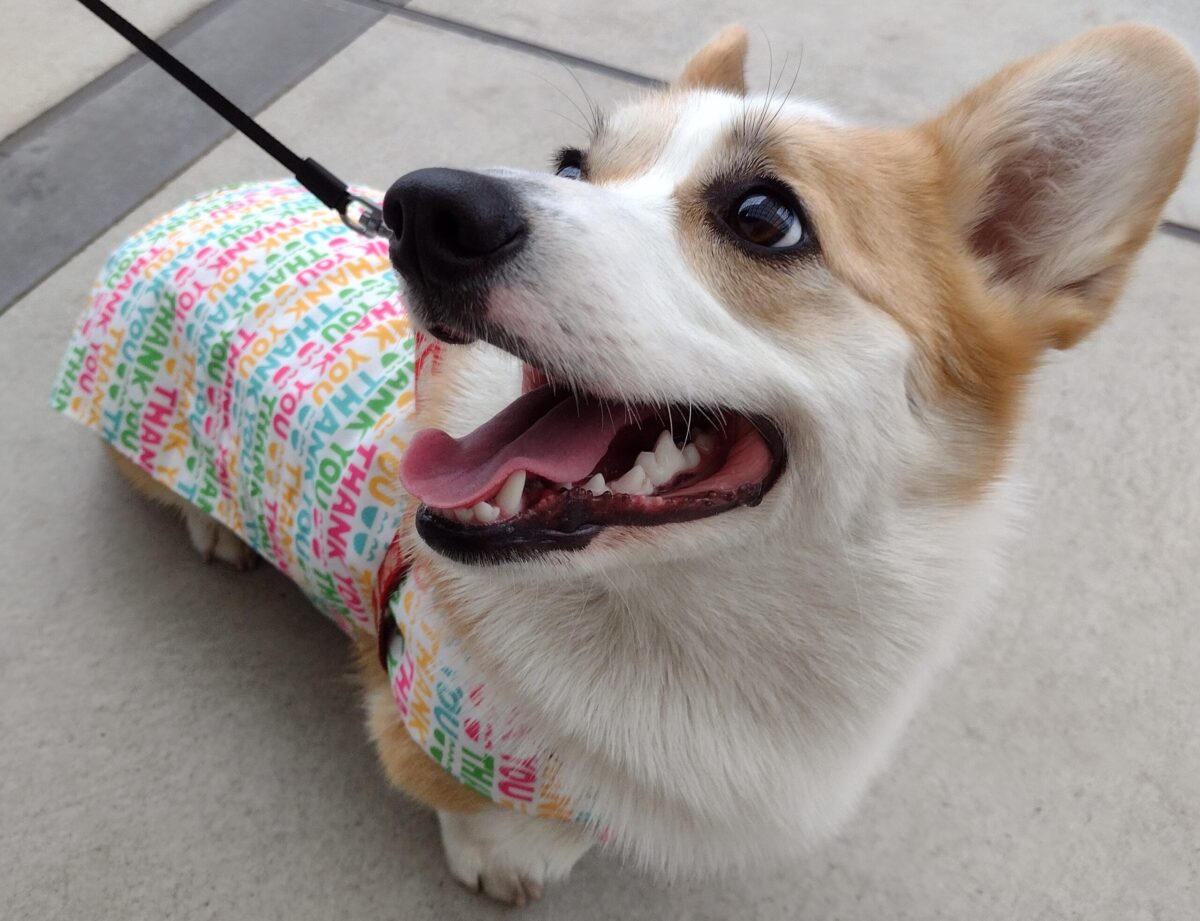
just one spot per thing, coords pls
(741, 320)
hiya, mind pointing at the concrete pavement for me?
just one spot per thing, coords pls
(178, 741)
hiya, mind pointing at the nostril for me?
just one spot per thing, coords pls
(447, 229)
(467, 235)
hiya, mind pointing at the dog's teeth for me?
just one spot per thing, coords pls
(464, 515)
(668, 457)
(596, 486)
(486, 512)
(509, 496)
(691, 457)
(664, 444)
(655, 474)
(634, 483)
(704, 441)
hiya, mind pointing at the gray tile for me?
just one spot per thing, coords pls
(881, 62)
(179, 742)
(59, 53)
(408, 95)
(461, 27)
(64, 183)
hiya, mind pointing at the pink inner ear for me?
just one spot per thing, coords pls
(1029, 200)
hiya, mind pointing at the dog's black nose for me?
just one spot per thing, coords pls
(452, 225)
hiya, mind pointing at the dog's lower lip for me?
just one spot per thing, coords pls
(513, 540)
(418, 291)
(448, 335)
(503, 542)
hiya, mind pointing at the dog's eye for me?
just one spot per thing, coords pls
(763, 217)
(569, 164)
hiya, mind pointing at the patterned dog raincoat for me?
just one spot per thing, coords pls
(252, 354)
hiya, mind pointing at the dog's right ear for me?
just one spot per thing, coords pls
(1055, 171)
(719, 65)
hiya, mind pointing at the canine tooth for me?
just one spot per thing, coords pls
(634, 483)
(486, 512)
(464, 515)
(654, 473)
(691, 457)
(596, 486)
(704, 441)
(509, 496)
(665, 442)
(668, 457)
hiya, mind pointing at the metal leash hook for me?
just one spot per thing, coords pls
(369, 221)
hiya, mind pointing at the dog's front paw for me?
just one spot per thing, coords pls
(510, 856)
(217, 542)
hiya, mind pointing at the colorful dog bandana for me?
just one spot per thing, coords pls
(252, 354)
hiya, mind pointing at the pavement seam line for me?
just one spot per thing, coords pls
(1180, 231)
(487, 36)
(479, 33)
(27, 138)
(76, 100)
(127, 67)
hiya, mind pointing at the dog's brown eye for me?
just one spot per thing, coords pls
(764, 219)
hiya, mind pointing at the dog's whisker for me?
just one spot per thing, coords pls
(596, 119)
(616, 651)
(786, 96)
(570, 121)
(588, 127)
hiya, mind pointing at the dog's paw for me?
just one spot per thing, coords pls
(214, 541)
(510, 856)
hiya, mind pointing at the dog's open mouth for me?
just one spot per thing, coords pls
(555, 467)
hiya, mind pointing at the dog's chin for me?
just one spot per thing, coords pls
(560, 466)
(443, 313)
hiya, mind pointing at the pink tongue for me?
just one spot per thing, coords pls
(559, 437)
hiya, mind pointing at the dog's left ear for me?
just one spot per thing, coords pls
(719, 65)
(1057, 168)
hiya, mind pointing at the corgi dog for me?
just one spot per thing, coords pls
(713, 474)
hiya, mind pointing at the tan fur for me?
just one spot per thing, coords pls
(213, 540)
(405, 763)
(891, 209)
(873, 199)
(719, 65)
(140, 480)
(887, 208)
(975, 138)
(623, 149)
(910, 223)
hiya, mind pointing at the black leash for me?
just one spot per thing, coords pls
(309, 173)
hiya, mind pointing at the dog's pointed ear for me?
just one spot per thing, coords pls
(719, 65)
(1055, 171)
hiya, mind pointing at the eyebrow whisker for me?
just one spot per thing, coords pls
(595, 117)
(786, 96)
(588, 128)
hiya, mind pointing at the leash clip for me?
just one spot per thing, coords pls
(369, 221)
